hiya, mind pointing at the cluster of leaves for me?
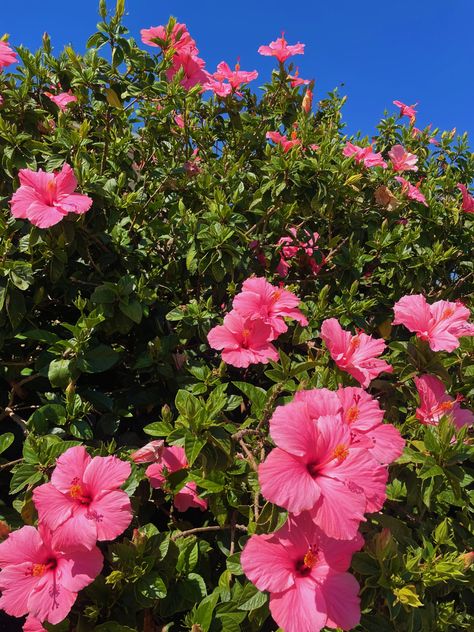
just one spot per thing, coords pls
(103, 324)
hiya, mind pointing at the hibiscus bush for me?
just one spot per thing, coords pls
(236, 356)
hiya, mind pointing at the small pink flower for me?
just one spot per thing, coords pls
(283, 141)
(281, 49)
(296, 80)
(179, 40)
(435, 403)
(219, 88)
(304, 572)
(41, 579)
(45, 198)
(62, 100)
(365, 155)
(467, 199)
(192, 166)
(235, 77)
(303, 250)
(357, 355)
(83, 502)
(7, 55)
(402, 160)
(178, 119)
(441, 324)
(407, 110)
(260, 300)
(193, 68)
(188, 498)
(411, 191)
(150, 452)
(244, 341)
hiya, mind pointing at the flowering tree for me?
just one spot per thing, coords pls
(236, 353)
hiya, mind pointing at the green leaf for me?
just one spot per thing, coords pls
(101, 358)
(158, 429)
(24, 475)
(193, 446)
(59, 374)
(151, 586)
(6, 440)
(205, 610)
(47, 417)
(251, 598)
(132, 310)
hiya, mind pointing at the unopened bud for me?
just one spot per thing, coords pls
(307, 101)
(468, 559)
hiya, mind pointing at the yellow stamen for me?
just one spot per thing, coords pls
(38, 570)
(340, 453)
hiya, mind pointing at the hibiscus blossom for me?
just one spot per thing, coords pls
(260, 299)
(283, 141)
(193, 69)
(441, 324)
(84, 497)
(411, 191)
(357, 355)
(402, 160)
(45, 198)
(150, 452)
(314, 467)
(436, 403)
(296, 80)
(467, 199)
(304, 572)
(235, 77)
(366, 155)
(7, 55)
(281, 49)
(407, 110)
(179, 40)
(244, 341)
(62, 100)
(41, 579)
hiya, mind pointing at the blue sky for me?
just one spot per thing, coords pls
(421, 50)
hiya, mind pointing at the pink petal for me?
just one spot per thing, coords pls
(66, 181)
(339, 511)
(44, 216)
(79, 568)
(340, 591)
(77, 532)
(69, 466)
(75, 203)
(105, 473)
(23, 545)
(112, 514)
(50, 601)
(16, 584)
(301, 608)
(54, 507)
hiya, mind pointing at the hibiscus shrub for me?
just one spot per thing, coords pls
(236, 357)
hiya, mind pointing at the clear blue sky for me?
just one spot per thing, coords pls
(416, 50)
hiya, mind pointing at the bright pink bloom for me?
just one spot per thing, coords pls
(297, 81)
(33, 625)
(180, 40)
(188, 498)
(244, 341)
(260, 300)
(407, 110)
(235, 77)
(62, 100)
(304, 572)
(83, 502)
(411, 190)
(281, 50)
(442, 323)
(45, 198)
(315, 467)
(467, 200)
(7, 55)
(192, 166)
(178, 119)
(150, 452)
(436, 403)
(366, 155)
(219, 88)
(402, 160)
(40, 579)
(193, 68)
(357, 355)
(286, 144)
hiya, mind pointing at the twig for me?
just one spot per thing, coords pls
(17, 419)
(10, 463)
(184, 534)
(237, 436)
(250, 456)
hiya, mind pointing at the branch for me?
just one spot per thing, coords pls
(184, 534)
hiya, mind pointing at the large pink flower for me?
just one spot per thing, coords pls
(45, 198)
(357, 355)
(83, 502)
(411, 191)
(281, 49)
(244, 341)
(41, 579)
(179, 40)
(402, 160)
(304, 572)
(260, 299)
(467, 199)
(235, 77)
(193, 69)
(317, 468)
(407, 110)
(7, 55)
(62, 100)
(441, 323)
(366, 155)
(436, 403)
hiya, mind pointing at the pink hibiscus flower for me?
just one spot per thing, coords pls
(286, 144)
(281, 49)
(41, 579)
(193, 68)
(436, 403)
(179, 40)
(304, 572)
(7, 55)
(411, 191)
(260, 299)
(235, 77)
(84, 497)
(407, 110)
(366, 155)
(62, 100)
(357, 355)
(441, 324)
(296, 80)
(467, 199)
(219, 88)
(45, 198)
(402, 160)
(150, 452)
(314, 467)
(244, 341)
(173, 459)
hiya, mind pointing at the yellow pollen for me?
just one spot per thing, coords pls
(309, 559)
(76, 491)
(38, 570)
(446, 405)
(276, 295)
(355, 342)
(340, 453)
(352, 414)
(50, 185)
(449, 311)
